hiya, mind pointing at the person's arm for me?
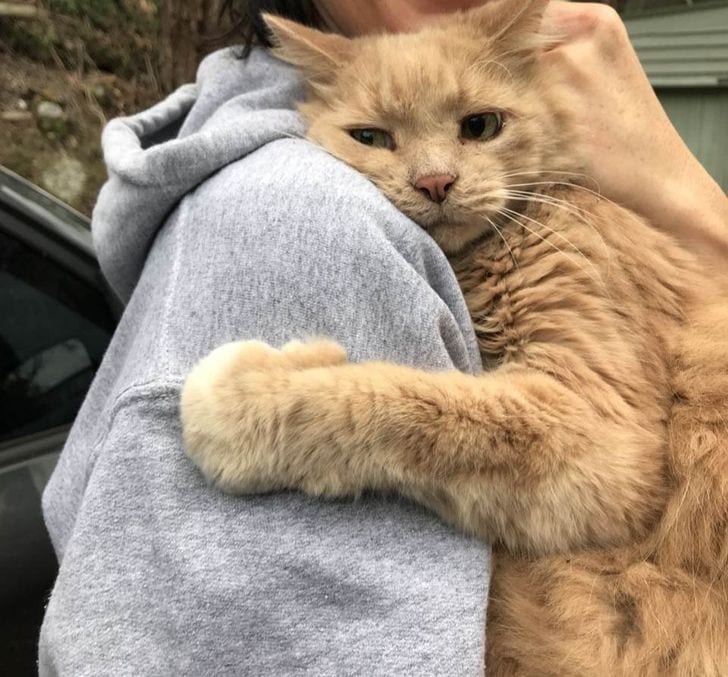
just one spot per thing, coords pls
(628, 145)
(162, 574)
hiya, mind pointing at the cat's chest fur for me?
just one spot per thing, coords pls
(583, 290)
(515, 281)
(485, 278)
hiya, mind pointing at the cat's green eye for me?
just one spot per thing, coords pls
(373, 137)
(481, 127)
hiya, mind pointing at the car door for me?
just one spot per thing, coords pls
(56, 320)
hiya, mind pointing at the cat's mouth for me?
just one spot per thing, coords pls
(454, 236)
(439, 216)
(448, 223)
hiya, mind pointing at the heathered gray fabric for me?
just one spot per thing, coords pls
(232, 230)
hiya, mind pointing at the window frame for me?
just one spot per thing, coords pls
(71, 257)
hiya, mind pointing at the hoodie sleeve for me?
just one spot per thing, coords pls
(161, 574)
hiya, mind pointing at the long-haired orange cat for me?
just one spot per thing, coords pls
(592, 453)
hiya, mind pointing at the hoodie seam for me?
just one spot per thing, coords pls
(156, 389)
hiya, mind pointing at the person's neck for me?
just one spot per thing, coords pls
(377, 16)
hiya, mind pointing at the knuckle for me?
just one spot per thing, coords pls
(568, 62)
(608, 22)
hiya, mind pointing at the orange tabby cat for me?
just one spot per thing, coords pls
(593, 452)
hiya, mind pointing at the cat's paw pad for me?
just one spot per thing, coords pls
(311, 354)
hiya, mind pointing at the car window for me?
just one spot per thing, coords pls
(54, 329)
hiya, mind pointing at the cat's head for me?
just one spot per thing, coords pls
(449, 122)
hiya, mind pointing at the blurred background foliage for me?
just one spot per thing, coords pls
(68, 66)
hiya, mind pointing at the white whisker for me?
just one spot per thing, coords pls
(576, 186)
(544, 172)
(582, 214)
(516, 215)
(505, 242)
(568, 207)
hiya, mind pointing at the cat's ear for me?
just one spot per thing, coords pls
(511, 25)
(317, 54)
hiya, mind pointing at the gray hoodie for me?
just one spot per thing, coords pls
(218, 222)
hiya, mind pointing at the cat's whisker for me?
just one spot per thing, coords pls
(578, 212)
(505, 242)
(289, 135)
(582, 214)
(541, 173)
(565, 239)
(570, 184)
(491, 62)
(565, 203)
(546, 199)
(546, 172)
(514, 215)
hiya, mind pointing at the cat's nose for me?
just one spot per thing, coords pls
(435, 186)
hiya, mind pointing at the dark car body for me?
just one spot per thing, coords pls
(56, 319)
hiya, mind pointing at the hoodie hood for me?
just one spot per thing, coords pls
(156, 157)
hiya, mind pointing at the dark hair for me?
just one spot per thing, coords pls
(244, 16)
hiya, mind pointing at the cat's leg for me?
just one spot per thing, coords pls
(511, 455)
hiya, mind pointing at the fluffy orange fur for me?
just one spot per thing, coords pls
(592, 451)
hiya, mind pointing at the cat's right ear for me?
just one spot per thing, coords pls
(514, 26)
(317, 54)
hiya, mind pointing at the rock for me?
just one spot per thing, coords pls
(52, 120)
(102, 95)
(65, 178)
(50, 110)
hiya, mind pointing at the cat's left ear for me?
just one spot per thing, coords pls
(317, 54)
(513, 26)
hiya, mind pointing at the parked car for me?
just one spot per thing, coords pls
(56, 319)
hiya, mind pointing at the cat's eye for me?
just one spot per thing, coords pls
(373, 137)
(481, 127)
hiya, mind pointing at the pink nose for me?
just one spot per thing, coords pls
(435, 186)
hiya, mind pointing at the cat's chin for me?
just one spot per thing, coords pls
(453, 238)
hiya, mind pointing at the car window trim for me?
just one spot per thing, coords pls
(20, 450)
(81, 264)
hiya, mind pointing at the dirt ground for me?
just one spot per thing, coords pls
(58, 74)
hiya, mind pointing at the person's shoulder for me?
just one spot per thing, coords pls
(296, 177)
(294, 192)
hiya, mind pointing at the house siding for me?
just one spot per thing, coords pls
(685, 55)
(701, 117)
(683, 48)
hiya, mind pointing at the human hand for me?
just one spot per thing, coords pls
(627, 143)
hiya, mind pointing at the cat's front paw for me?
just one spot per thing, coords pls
(232, 405)
(239, 356)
